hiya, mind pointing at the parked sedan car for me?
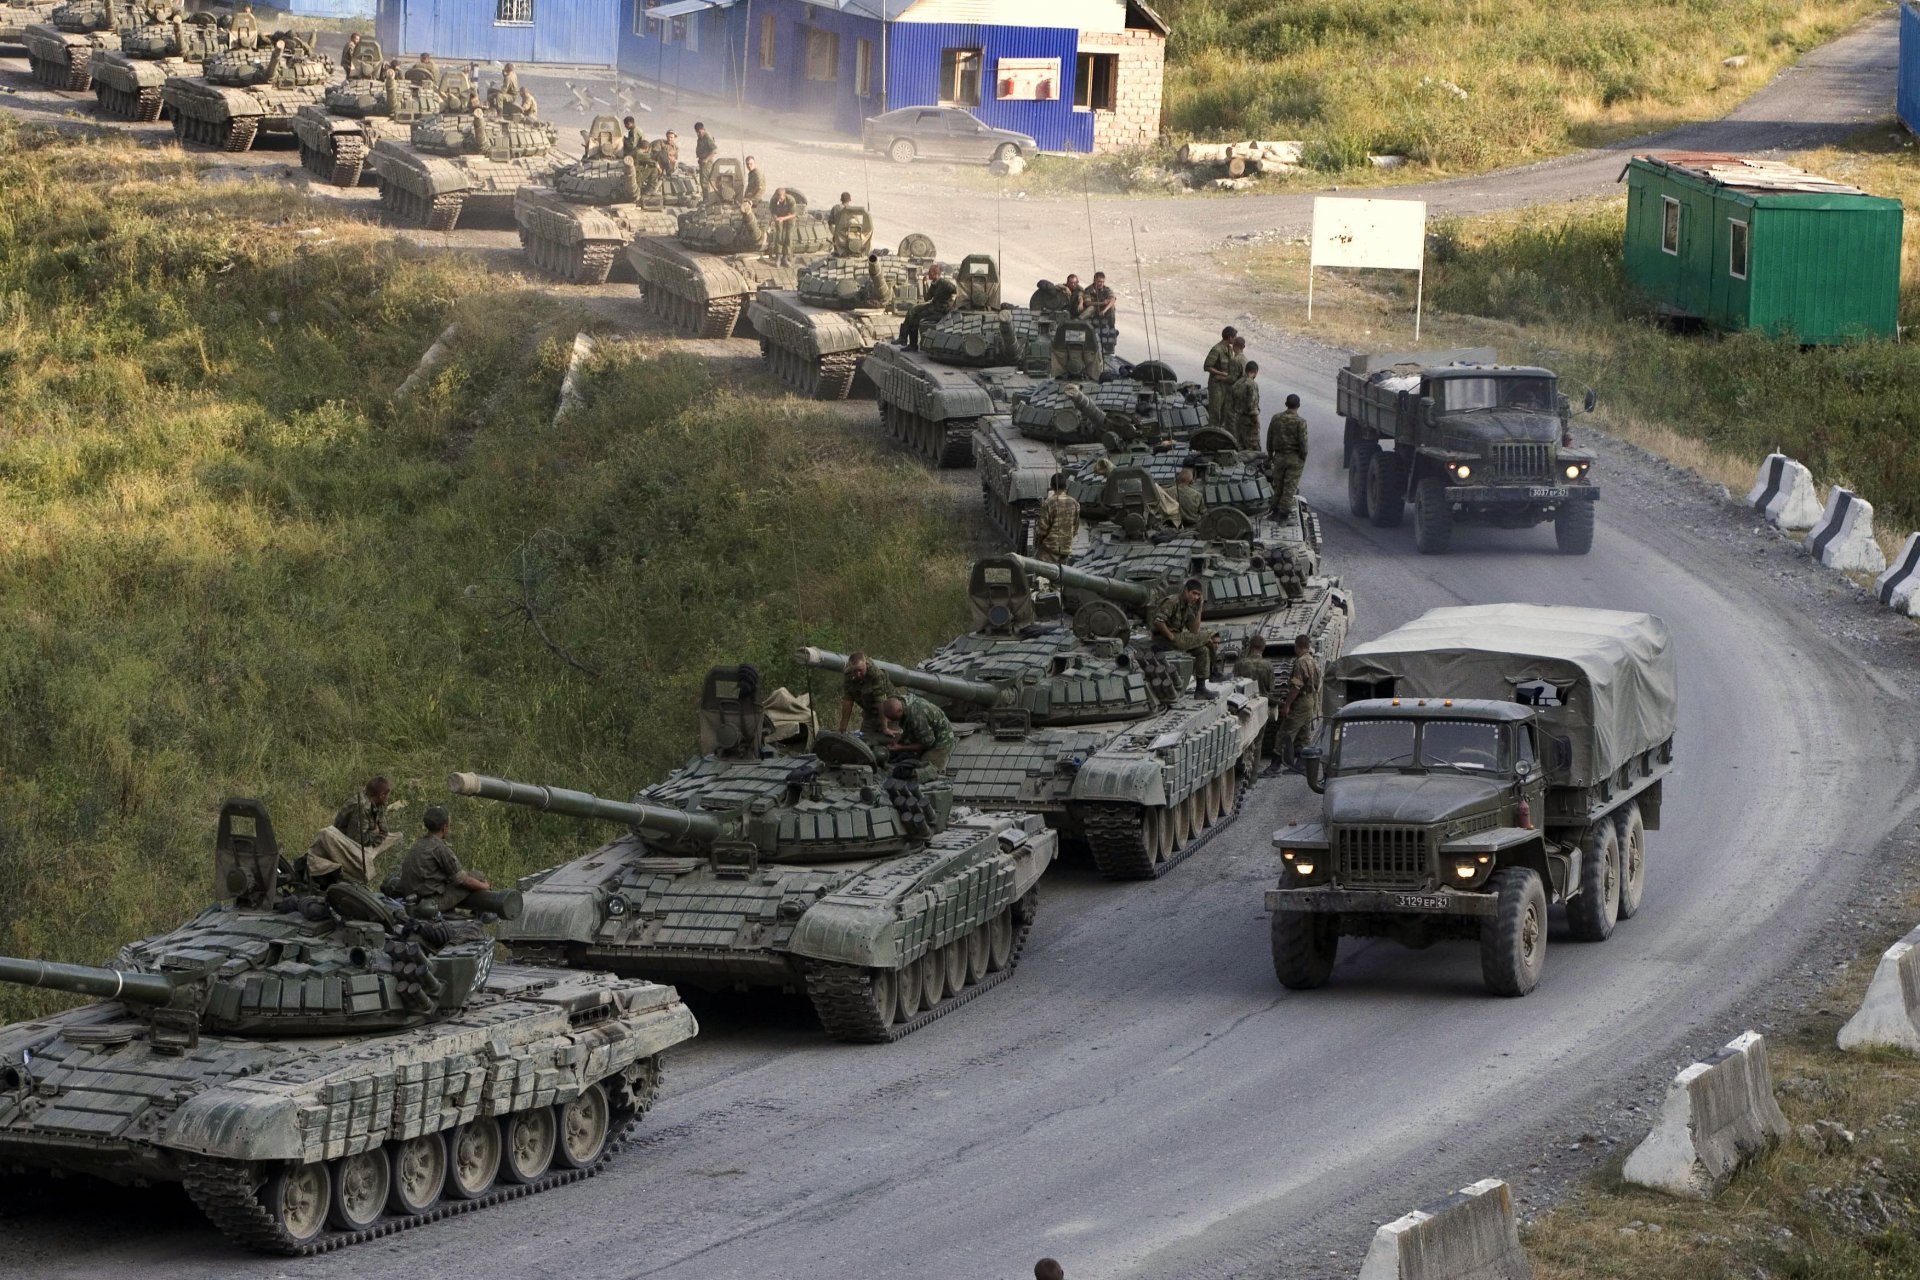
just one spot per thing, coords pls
(942, 133)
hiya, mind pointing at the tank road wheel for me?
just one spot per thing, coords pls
(1000, 940)
(584, 1125)
(1594, 910)
(1305, 944)
(180, 126)
(1633, 860)
(359, 1189)
(1359, 467)
(954, 960)
(979, 952)
(907, 989)
(902, 151)
(530, 1137)
(473, 1158)
(933, 979)
(1513, 943)
(1386, 490)
(1573, 528)
(419, 1173)
(1432, 518)
(298, 1197)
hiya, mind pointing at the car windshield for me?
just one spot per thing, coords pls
(1460, 395)
(1373, 744)
(1463, 744)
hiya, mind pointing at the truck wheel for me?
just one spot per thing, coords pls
(1592, 912)
(1513, 943)
(1359, 473)
(1304, 945)
(1432, 518)
(1386, 489)
(1632, 835)
(1573, 528)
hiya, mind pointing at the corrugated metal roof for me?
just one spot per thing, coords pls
(1761, 177)
(681, 8)
(885, 10)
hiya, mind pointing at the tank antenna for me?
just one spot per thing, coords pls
(1140, 283)
(1086, 192)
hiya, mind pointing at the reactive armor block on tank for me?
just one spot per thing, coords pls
(372, 103)
(60, 49)
(699, 280)
(445, 166)
(575, 228)
(242, 93)
(127, 81)
(815, 335)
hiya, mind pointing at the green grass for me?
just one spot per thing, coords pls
(1472, 84)
(230, 565)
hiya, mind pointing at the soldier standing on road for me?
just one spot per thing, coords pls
(863, 689)
(939, 301)
(878, 290)
(1300, 705)
(920, 733)
(1243, 407)
(704, 151)
(1287, 456)
(1176, 626)
(756, 182)
(431, 872)
(1193, 503)
(783, 211)
(1058, 521)
(1219, 381)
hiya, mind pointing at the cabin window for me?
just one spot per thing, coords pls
(1540, 693)
(766, 42)
(823, 55)
(863, 68)
(513, 13)
(960, 77)
(1096, 81)
(1669, 225)
(1736, 249)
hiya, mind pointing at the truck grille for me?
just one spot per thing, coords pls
(1523, 461)
(1383, 857)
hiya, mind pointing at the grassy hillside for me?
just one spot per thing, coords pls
(1470, 84)
(230, 565)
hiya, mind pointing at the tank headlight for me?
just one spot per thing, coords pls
(1462, 471)
(616, 905)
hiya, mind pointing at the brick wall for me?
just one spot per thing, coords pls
(1135, 120)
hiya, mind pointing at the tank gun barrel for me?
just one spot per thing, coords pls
(1117, 589)
(85, 980)
(975, 692)
(657, 820)
(1090, 411)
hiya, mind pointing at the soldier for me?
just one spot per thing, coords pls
(348, 56)
(1253, 665)
(1219, 380)
(749, 235)
(1099, 305)
(345, 850)
(878, 290)
(672, 146)
(704, 151)
(939, 300)
(920, 734)
(509, 85)
(529, 109)
(1072, 286)
(756, 182)
(1050, 298)
(840, 223)
(1193, 504)
(424, 71)
(1176, 625)
(1287, 456)
(1048, 1269)
(863, 688)
(1243, 407)
(430, 872)
(1058, 521)
(784, 211)
(632, 141)
(1300, 705)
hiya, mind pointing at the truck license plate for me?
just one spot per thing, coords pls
(1420, 901)
(1546, 494)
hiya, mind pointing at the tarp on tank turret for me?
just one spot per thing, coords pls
(1612, 674)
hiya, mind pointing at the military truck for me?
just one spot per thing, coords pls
(1480, 764)
(1468, 441)
(127, 81)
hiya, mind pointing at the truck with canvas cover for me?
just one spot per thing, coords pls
(1478, 765)
(575, 226)
(1468, 441)
(127, 81)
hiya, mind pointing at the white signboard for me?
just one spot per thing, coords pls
(1027, 79)
(1389, 235)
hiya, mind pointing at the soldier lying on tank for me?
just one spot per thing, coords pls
(431, 872)
(863, 689)
(919, 736)
(425, 71)
(1176, 626)
(346, 850)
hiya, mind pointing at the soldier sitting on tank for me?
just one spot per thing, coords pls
(346, 850)
(1049, 299)
(756, 187)
(919, 736)
(1176, 626)
(632, 141)
(509, 84)
(1192, 503)
(863, 688)
(878, 290)
(940, 293)
(840, 223)
(431, 872)
(425, 71)
(529, 109)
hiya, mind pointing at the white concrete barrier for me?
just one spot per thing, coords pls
(428, 362)
(1469, 1235)
(1899, 587)
(1843, 536)
(583, 346)
(1889, 1016)
(1784, 494)
(1717, 1114)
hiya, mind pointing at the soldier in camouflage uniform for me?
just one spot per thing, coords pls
(346, 849)
(1050, 299)
(756, 181)
(1221, 375)
(431, 872)
(1193, 503)
(1300, 704)
(705, 149)
(1253, 665)
(940, 293)
(783, 210)
(840, 221)
(1176, 626)
(1243, 407)
(863, 689)
(1287, 456)
(1058, 521)
(920, 733)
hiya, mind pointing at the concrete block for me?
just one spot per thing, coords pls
(1899, 587)
(435, 354)
(1717, 1115)
(1843, 536)
(1784, 494)
(1889, 1016)
(1469, 1235)
(583, 345)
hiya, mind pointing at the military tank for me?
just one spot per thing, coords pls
(242, 93)
(320, 1069)
(127, 81)
(1085, 725)
(879, 897)
(445, 167)
(576, 227)
(60, 49)
(373, 102)
(17, 15)
(814, 336)
(698, 280)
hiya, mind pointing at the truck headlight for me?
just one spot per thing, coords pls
(1577, 469)
(1462, 471)
(1465, 870)
(1302, 868)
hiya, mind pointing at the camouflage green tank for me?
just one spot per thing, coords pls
(1085, 725)
(320, 1069)
(127, 81)
(887, 904)
(242, 93)
(699, 279)
(576, 227)
(17, 15)
(1226, 476)
(445, 166)
(375, 101)
(60, 49)
(814, 335)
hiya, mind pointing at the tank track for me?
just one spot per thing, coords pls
(830, 377)
(75, 75)
(584, 262)
(1117, 840)
(412, 209)
(344, 167)
(143, 105)
(842, 993)
(946, 445)
(1015, 519)
(232, 135)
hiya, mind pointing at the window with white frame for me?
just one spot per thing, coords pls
(513, 13)
(1736, 248)
(863, 68)
(1669, 225)
(644, 26)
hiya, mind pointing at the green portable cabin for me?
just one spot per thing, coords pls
(1741, 243)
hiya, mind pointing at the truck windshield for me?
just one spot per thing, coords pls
(1463, 744)
(1374, 744)
(1458, 395)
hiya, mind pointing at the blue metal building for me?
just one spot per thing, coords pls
(577, 32)
(1907, 95)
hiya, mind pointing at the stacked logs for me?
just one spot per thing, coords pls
(1242, 159)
